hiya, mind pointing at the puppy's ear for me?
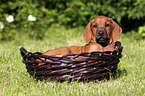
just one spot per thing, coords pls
(116, 30)
(87, 34)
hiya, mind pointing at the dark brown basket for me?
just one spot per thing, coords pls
(83, 66)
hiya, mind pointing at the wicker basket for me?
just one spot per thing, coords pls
(83, 66)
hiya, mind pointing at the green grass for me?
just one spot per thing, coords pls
(15, 81)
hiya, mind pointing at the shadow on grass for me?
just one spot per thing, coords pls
(119, 73)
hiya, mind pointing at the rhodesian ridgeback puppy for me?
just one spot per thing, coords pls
(100, 35)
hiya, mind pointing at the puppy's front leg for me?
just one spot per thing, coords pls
(58, 51)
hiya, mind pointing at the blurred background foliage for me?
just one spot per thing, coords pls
(129, 14)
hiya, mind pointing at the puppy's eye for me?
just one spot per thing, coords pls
(107, 25)
(95, 26)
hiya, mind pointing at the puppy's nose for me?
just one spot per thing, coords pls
(101, 33)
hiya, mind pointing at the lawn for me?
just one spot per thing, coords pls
(15, 81)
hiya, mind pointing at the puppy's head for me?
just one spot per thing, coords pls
(102, 30)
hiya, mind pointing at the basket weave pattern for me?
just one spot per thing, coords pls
(83, 66)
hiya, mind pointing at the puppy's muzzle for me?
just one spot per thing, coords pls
(101, 33)
(102, 37)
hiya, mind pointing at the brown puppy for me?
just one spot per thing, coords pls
(100, 35)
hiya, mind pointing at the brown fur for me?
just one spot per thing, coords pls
(112, 31)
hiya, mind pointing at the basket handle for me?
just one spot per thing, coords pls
(119, 47)
(23, 51)
(25, 54)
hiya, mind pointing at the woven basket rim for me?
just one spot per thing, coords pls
(39, 54)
